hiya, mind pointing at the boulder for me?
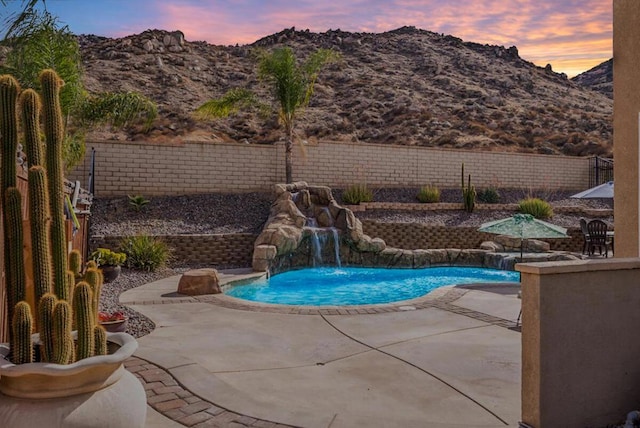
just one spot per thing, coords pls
(492, 246)
(535, 246)
(199, 281)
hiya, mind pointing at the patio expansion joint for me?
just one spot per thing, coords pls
(428, 373)
(169, 397)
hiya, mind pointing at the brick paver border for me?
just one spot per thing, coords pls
(167, 396)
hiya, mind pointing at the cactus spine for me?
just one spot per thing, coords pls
(21, 326)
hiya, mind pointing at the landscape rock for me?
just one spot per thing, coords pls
(301, 216)
(199, 281)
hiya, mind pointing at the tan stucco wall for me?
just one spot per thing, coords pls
(626, 108)
(580, 342)
(196, 167)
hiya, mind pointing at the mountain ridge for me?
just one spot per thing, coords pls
(406, 86)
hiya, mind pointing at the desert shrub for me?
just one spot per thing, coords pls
(357, 193)
(536, 207)
(429, 194)
(489, 196)
(145, 252)
(137, 202)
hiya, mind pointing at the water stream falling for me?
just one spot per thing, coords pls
(319, 237)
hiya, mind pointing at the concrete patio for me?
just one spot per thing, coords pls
(404, 366)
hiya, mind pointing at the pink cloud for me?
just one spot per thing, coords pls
(561, 33)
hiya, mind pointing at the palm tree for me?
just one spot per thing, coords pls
(14, 21)
(292, 86)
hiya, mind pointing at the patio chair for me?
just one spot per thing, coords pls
(585, 236)
(598, 237)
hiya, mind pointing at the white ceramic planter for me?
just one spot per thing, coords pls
(94, 392)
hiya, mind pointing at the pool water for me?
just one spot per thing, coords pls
(361, 286)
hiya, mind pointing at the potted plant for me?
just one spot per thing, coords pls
(55, 377)
(109, 262)
(113, 322)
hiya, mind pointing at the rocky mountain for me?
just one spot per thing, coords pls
(406, 86)
(598, 78)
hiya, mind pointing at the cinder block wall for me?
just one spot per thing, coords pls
(197, 167)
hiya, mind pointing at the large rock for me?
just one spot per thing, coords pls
(298, 206)
(199, 281)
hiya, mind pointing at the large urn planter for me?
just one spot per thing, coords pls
(93, 392)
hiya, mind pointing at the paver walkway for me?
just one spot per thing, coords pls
(446, 361)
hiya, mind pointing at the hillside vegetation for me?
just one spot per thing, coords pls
(407, 86)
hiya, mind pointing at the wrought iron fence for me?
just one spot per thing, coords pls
(600, 170)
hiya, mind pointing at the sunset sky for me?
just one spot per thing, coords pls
(571, 35)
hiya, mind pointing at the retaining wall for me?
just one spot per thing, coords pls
(236, 250)
(228, 250)
(198, 167)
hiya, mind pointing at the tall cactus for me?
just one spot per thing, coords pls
(54, 283)
(9, 89)
(63, 352)
(85, 320)
(21, 326)
(14, 257)
(54, 134)
(39, 222)
(46, 307)
(31, 107)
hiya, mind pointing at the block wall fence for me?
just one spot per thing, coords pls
(199, 167)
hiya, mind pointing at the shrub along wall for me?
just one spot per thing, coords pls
(228, 250)
(197, 167)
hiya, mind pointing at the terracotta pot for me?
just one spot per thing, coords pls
(110, 272)
(94, 392)
(116, 326)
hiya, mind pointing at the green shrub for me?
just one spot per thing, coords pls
(104, 256)
(137, 202)
(429, 194)
(356, 194)
(489, 196)
(145, 252)
(536, 207)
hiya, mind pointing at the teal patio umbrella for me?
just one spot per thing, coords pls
(524, 226)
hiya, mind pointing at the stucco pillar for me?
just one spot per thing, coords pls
(626, 114)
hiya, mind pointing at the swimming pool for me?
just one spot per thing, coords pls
(361, 286)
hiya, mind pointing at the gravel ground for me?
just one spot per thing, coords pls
(247, 212)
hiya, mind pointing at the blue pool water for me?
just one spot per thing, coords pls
(361, 286)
